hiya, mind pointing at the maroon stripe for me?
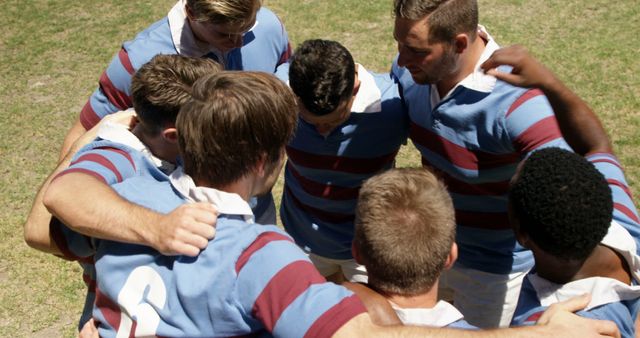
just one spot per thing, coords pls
(117, 97)
(458, 155)
(607, 160)
(330, 217)
(88, 117)
(628, 212)
(262, 240)
(621, 186)
(455, 185)
(124, 60)
(121, 152)
(534, 317)
(328, 191)
(483, 220)
(523, 98)
(283, 288)
(352, 165)
(334, 318)
(103, 161)
(543, 131)
(82, 171)
(285, 55)
(109, 309)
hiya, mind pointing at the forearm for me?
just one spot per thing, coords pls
(92, 208)
(579, 125)
(76, 131)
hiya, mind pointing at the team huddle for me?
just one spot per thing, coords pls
(163, 190)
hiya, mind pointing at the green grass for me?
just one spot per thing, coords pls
(53, 52)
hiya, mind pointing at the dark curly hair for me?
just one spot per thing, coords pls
(562, 202)
(322, 75)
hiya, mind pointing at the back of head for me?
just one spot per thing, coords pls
(232, 121)
(562, 202)
(404, 230)
(322, 75)
(233, 12)
(447, 18)
(161, 86)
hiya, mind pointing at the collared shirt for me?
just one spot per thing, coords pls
(603, 290)
(118, 133)
(225, 203)
(182, 35)
(441, 315)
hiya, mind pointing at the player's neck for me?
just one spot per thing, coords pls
(425, 300)
(468, 60)
(603, 262)
(156, 144)
(242, 187)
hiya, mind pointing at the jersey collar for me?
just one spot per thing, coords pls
(603, 290)
(225, 203)
(182, 35)
(441, 315)
(368, 99)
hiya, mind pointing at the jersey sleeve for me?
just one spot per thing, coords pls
(624, 210)
(73, 245)
(280, 287)
(107, 164)
(531, 123)
(113, 92)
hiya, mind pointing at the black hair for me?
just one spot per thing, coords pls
(322, 75)
(562, 202)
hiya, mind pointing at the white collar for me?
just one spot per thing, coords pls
(478, 80)
(441, 315)
(182, 36)
(603, 290)
(368, 99)
(225, 203)
(119, 133)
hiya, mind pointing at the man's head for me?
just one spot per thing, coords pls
(222, 23)
(323, 76)
(236, 124)
(561, 204)
(404, 231)
(158, 90)
(431, 35)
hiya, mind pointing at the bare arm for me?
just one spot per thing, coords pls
(378, 307)
(90, 207)
(76, 131)
(579, 125)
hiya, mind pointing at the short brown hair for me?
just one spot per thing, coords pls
(233, 120)
(161, 86)
(234, 12)
(404, 230)
(447, 18)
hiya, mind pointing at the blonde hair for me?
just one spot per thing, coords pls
(404, 230)
(235, 12)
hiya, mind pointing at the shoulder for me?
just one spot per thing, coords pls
(268, 20)
(156, 39)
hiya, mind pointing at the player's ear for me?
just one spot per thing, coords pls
(261, 166)
(170, 135)
(356, 83)
(453, 256)
(461, 42)
(189, 10)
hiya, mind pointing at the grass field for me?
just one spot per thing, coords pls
(53, 51)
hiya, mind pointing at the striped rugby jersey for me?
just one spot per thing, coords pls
(323, 175)
(474, 139)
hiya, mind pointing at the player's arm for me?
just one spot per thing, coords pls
(558, 320)
(378, 307)
(579, 125)
(87, 205)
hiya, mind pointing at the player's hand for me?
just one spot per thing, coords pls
(561, 317)
(526, 70)
(89, 330)
(186, 230)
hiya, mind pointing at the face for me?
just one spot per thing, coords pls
(224, 37)
(427, 62)
(327, 123)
